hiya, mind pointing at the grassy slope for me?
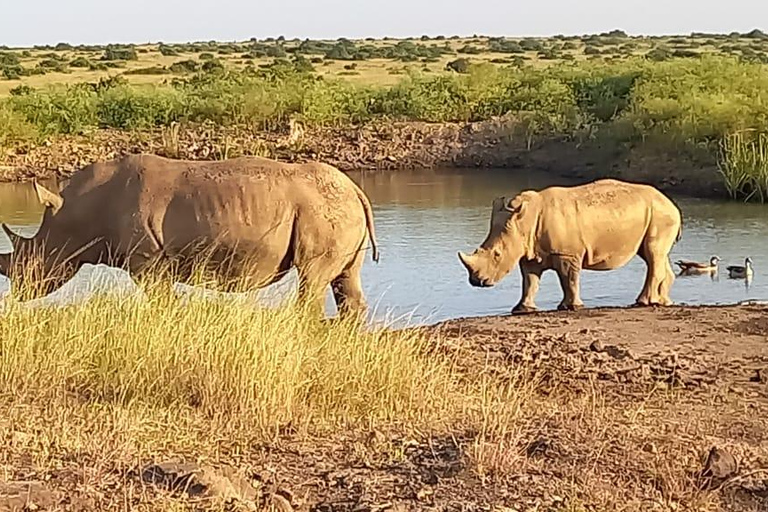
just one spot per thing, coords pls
(681, 95)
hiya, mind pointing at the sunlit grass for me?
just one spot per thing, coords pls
(744, 165)
(227, 356)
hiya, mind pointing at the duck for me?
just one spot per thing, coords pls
(741, 272)
(695, 267)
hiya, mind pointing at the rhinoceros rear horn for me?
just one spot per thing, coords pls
(48, 198)
(13, 237)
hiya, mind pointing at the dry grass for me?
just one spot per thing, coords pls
(91, 391)
(97, 388)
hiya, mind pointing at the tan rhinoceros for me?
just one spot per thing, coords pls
(256, 218)
(596, 226)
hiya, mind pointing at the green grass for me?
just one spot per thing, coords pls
(682, 101)
(744, 165)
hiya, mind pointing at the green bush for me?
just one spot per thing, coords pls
(672, 104)
(150, 70)
(120, 53)
(185, 66)
(80, 62)
(167, 51)
(458, 65)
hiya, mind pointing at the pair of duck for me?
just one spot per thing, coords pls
(734, 271)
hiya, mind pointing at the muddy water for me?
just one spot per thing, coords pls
(424, 217)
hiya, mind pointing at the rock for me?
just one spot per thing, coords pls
(618, 352)
(201, 481)
(719, 464)
(758, 376)
(597, 346)
(23, 496)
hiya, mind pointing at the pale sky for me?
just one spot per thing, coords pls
(29, 22)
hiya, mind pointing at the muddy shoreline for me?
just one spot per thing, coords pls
(383, 146)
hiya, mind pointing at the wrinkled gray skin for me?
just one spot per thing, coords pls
(597, 226)
(256, 217)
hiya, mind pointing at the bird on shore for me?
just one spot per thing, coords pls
(694, 267)
(739, 271)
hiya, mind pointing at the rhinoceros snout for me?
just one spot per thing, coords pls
(479, 283)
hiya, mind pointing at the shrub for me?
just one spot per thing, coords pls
(458, 65)
(14, 125)
(658, 54)
(185, 66)
(470, 50)
(151, 70)
(9, 59)
(168, 51)
(212, 66)
(80, 62)
(120, 53)
(21, 90)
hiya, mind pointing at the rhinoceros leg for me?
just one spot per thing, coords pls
(659, 276)
(531, 273)
(348, 289)
(568, 269)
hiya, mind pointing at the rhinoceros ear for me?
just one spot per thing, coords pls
(499, 204)
(48, 198)
(518, 202)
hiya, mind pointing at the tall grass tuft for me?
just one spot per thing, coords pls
(228, 358)
(743, 163)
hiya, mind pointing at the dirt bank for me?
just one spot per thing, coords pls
(612, 409)
(381, 146)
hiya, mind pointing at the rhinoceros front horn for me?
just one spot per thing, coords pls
(466, 260)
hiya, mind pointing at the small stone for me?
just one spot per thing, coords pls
(200, 481)
(597, 346)
(618, 352)
(719, 464)
(424, 494)
(758, 376)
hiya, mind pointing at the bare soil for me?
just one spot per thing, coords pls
(623, 409)
(382, 145)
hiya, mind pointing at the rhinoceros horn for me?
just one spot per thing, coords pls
(13, 237)
(48, 198)
(467, 260)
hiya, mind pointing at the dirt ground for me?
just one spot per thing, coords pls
(384, 146)
(621, 410)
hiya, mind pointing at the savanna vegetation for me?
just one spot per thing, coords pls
(695, 94)
(557, 414)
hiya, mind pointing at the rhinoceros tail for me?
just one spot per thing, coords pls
(369, 222)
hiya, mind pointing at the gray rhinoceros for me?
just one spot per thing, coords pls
(255, 217)
(596, 226)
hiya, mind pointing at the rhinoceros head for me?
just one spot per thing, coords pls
(35, 267)
(510, 238)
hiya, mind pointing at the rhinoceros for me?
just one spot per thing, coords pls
(256, 217)
(599, 225)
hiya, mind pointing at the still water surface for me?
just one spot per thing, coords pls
(424, 217)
